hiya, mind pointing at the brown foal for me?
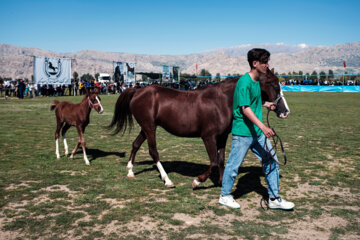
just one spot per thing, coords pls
(69, 114)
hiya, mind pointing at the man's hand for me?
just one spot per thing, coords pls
(269, 105)
(268, 132)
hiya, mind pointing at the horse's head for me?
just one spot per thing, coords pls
(271, 92)
(94, 101)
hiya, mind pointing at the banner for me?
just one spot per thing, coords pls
(130, 73)
(119, 71)
(302, 88)
(166, 73)
(176, 73)
(52, 71)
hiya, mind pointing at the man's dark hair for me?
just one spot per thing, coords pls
(258, 54)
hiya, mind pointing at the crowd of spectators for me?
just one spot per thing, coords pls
(21, 89)
(322, 83)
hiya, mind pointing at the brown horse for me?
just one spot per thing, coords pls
(205, 113)
(77, 115)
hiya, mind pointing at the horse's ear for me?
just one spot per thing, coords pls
(273, 70)
(87, 91)
(96, 90)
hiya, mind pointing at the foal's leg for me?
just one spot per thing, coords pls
(63, 132)
(150, 135)
(210, 145)
(82, 141)
(57, 131)
(135, 147)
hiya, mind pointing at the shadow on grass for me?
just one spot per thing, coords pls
(96, 153)
(250, 182)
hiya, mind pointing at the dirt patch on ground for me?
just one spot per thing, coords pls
(306, 228)
(314, 228)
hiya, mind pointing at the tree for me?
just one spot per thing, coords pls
(97, 75)
(87, 77)
(322, 76)
(314, 76)
(75, 77)
(217, 77)
(204, 72)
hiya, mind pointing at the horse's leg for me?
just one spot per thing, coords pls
(81, 130)
(63, 134)
(57, 131)
(210, 145)
(78, 143)
(135, 147)
(221, 145)
(150, 135)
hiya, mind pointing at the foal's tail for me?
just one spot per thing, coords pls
(53, 104)
(122, 113)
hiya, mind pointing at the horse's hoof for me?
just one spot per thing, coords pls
(170, 185)
(132, 176)
(195, 184)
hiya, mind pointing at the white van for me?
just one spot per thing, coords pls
(104, 78)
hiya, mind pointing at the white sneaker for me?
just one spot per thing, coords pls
(279, 203)
(228, 201)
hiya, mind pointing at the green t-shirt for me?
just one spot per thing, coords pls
(247, 93)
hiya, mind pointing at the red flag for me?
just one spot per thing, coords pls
(344, 64)
(196, 67)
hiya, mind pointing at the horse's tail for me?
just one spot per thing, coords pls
(122, 113)
(53, 104)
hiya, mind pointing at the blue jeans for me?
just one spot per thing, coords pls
(239, 148)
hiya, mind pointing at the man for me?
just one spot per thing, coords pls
(250, 133)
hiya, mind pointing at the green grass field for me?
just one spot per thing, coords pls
(45, 198)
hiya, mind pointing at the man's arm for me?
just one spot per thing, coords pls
(268, 132)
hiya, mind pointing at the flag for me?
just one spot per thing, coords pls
(344, 64)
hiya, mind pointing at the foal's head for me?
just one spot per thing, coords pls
(94, 101)
(271, 92)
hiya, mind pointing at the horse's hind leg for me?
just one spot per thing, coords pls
(63, 132)
(210, 145)
(135, 147)
(77, 145)
(150, 135)
(57, 131)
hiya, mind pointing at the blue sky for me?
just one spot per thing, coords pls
(175, 27)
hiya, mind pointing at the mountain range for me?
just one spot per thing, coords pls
(17, 62)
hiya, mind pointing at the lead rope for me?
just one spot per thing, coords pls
(276, 139)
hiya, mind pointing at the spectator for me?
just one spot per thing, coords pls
(21, 89)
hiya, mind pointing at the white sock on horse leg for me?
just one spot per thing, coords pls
(85, 157)
(57, 149)
(164, 176)
(129, 167)
(66, 146)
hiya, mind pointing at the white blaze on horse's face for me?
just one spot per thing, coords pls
(101, 108)
(285, 113)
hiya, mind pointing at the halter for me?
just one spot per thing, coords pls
(281, 96)
(92, 105)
